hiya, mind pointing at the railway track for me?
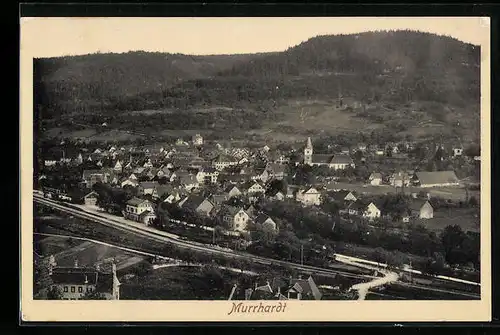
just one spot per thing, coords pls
(166, 237)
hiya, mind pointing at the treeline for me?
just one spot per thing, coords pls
(396, 66)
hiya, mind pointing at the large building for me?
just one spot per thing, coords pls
(337, 162)
(437, 179)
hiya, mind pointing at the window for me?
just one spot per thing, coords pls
(65, 289)
(88, 289)
(80, 289)
(73, 289)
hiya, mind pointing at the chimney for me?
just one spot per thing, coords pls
(86, 280)
(76, 262)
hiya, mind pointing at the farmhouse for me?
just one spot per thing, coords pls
(437, 179)
(343, 195)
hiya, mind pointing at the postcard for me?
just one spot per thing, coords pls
(255, 169)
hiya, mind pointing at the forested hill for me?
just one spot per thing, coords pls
(83, 81)
(396, 67)
(369, 53)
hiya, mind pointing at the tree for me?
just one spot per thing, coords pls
(453, 239)
(54, 293)
(473, 202)
(93, 295)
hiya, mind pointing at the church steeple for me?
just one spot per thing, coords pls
(308, 152)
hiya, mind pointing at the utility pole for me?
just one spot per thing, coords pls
(301, 254)
(213, 236)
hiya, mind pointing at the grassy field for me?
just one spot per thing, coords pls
(180, 283)
(67, 250)
(463, 217)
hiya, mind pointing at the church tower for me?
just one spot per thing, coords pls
(308, 152)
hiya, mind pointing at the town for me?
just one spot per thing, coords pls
(395, 203)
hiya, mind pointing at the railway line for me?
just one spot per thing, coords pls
(161, 236)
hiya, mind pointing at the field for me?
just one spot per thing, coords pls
(67, 250)
(180, 283)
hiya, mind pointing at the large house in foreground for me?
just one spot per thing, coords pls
(336, 162)
(140, 210)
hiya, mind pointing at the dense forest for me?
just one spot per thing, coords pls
(395, 67)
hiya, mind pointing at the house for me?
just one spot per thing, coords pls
(253, 188)
(362, 147)
(457, 151)
(232, 191)
(91, 199)
(129, 182)
(174, 196)
(91, 177)
(197, 140)
(140, 210)
(162, 191)
(345, 150)
(332, 161)
(147, 187)
(276, 171)
(275, 194)
(223, 161)
(343, 196)
(163, 172)
(262, 175)
(375, 178)
(118, 167)
(308, 196)
(75, 282)
(421, 209)
(371, 211)
(400, 179)
(235, 218)
(353, 208)
(198, 204)
(303, 289)
(437, 179)
(198, 163)
(266, 222)
(207, 175)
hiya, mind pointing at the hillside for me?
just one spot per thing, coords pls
(408, 82)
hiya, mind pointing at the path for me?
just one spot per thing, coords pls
(363, 288)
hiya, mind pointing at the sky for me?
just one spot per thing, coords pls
(52, 37)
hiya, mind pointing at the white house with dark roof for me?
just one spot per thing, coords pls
(75, 282)
(140, 210)
(235, 218)
(308, 196)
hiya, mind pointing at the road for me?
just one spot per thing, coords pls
(158, 235)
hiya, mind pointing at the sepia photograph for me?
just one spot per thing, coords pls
(262, 166)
